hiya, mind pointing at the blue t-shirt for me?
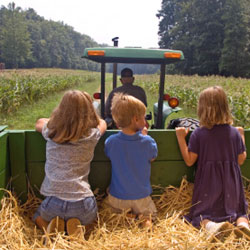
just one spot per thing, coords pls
(130, 157)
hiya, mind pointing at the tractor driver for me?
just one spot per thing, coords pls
(128, 88)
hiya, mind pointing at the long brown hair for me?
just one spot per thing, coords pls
(73, 118)
(213, 108)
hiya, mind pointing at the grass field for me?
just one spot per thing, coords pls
(26, 95)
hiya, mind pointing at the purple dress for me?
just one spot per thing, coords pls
(218, 190)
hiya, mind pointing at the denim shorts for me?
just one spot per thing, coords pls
(85, 210)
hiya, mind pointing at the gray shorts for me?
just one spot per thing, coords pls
(144, 206)
(85, 210)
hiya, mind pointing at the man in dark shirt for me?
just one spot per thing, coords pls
(128, 88)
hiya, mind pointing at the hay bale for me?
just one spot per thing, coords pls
(111, 231)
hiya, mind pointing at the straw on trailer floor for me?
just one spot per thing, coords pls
(112, 231)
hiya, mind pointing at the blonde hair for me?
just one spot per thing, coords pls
(213, 108)
(73, 118)
(124, 108)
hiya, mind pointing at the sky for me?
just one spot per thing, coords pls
(133, 21)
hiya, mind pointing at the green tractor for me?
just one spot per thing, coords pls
(166, 105)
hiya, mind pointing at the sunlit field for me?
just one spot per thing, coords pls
(26, 95)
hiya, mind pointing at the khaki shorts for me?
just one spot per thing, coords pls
(144, 206)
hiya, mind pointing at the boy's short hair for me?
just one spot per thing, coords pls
(124, 108)
(127, 72)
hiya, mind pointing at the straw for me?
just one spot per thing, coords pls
(114, 231)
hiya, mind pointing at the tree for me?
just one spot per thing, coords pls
(235, 53)
(205, 31)
(14, 44)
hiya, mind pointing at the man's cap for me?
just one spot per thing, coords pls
(127, 72)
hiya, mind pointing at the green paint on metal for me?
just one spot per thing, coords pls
(35, 175)
(167, 173)
(3, 150)
(245, 169)
(132, 55)
(3, 127)
(26, 150)
(100, 175)
(35, 147)
(247, 142)
(18, 163)
(4, 162)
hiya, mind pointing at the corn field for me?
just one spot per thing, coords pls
(27, 86)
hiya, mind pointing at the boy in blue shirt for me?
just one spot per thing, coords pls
(131, 151)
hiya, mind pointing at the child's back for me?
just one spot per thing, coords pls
(131, 153)
(130, 156)
(218, 185)
(219, 148)
(67, 166)
(72, 133)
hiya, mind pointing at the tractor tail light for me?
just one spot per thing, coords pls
(173, 102)
(166, 97)
(96, 53)
(97, 95)
(174, 55)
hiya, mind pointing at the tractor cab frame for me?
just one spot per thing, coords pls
(116, 55)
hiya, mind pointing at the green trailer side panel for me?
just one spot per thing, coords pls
(35, 146)
(166, 140)
(245, 169)
(167, 169)
(100, 175)
(3, 150)
(18, 163)
(3, 127)
(167, 144)
(167, 173)
(4, 180)
(99, 154)
(247, 142)
(35, 175)
(4, 162)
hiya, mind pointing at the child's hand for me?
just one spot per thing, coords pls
(181, 132)
(144, 131)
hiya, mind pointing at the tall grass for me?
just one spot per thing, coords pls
(35, 93)
(26, 95)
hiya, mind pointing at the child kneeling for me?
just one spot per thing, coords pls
(72, 132)
(131, 151)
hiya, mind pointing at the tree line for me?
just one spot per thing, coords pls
(214, 35)
(27, 40)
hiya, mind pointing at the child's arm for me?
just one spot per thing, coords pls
(40, 123)
(144, 131)
(189, 157)
(102, 126)
(242, 157)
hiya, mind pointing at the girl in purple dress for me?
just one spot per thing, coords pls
(219, 149)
